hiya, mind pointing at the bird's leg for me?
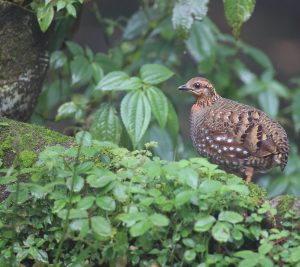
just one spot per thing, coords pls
(249, 173)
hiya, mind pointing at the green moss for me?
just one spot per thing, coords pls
(285, 203)
(257, 194)
(27, 158)
(26, 139)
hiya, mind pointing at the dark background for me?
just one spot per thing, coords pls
(274, 28)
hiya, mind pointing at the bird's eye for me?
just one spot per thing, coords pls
(197, 85)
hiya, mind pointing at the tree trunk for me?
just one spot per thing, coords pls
(23, 61)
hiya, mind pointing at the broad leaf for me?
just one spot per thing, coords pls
(136, 115)
(185, 12)
(81, 70)
(140, 228)
(204, 223)
(112, 81)
(237, 12)
(45, 16)
(230, 216)
(159, 220)
(202, 45)
(137, 24)
(155, 73)
(269, 103)
(106, 203)
(159, 105)
(106, 125)
(221, 232)
(101, 226)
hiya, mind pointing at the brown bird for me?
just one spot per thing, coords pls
(240, 139)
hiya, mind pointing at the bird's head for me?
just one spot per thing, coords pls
(200, 87)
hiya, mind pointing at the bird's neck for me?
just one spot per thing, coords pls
(203, 102)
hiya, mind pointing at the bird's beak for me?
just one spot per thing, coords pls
(183, 87)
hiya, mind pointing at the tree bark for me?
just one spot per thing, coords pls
(23, 61)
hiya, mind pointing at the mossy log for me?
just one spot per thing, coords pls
(20, 144)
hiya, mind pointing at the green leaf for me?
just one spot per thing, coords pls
(71, 10)
(172, 122)
(237, 12)
(296, 110)
(140, 228)
(189, 255)
(137, 24)
(97, 72)
(106, 203)
(86, 202)
(75, 183)
(106, 125)
(57, 60)
(189, 177)
(45, 16)
(74, 214)
(183, 197)
(155, 73)
(204, 223)
(159, 105)
(210, 186)
(159, 220)
(101, 226)
(269, 103)
(132, 83)
(81, 70)
(136, 115)
(131, 218)
(66, 110)
(101, 178)
(112, 81)
(295, 254)
(74, 48)
(83, 138)
(221, 232)
(265, 248)
(185, 12)
(60, 5)
(230, 216)
(202, 45)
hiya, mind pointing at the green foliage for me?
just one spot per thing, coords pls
(237, 12)
(104, 205)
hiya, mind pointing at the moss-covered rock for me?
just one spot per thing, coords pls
(20, 144)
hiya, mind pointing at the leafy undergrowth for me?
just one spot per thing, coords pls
(101, 205)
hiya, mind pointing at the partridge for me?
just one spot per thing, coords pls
(239, 138)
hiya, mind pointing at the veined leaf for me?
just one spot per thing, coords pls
(106, 125)
(237, 12)
(112, 81)
(155, 73)
(186, 11)
(159, 105)
(136, 115)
